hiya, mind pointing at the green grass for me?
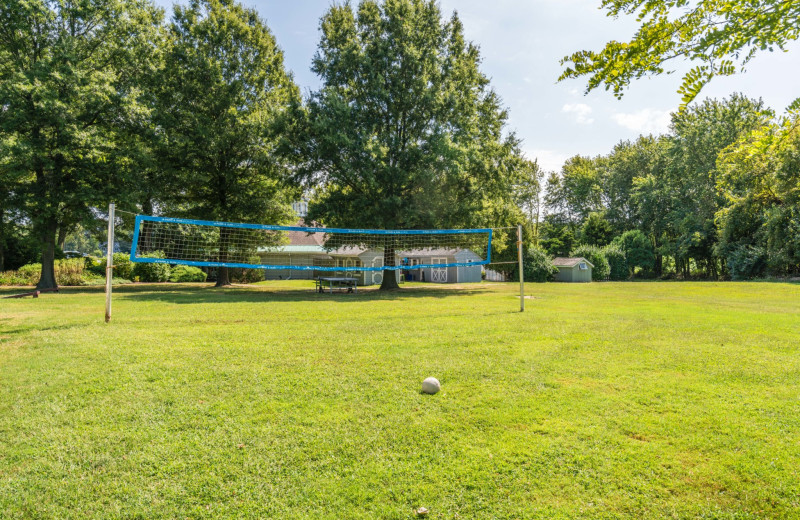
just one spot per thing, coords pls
(638, 400)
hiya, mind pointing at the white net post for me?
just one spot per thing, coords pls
(521, 274)
(109, 260)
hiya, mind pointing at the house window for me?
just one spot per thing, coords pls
(583, 266)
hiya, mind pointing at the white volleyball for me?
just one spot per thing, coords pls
(431, 386)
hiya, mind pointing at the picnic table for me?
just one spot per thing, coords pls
(337, 282)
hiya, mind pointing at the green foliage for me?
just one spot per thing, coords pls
(68, 85)
(760, 224)
(247, 275)
(528, 195)
(187, 273)
(30, 272)
(405, 131)
(723, 36)
(13, 278)
(628, 163)
(218, 96)
(577, 191)
(747, 262)
(638, 250)
(81, 239)
(537, 266)
(17, 245)
(557, 240)
(596, 230)
(596, 256)
(242, 275)
(151, 272)
(123, 267)
(696, 194)
(617, 265)
(68, 271)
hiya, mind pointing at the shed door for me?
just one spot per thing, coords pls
(439, 274)
(377, 276)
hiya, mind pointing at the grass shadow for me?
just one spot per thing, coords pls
(207, 293)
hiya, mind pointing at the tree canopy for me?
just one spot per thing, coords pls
(221, 88)
(720, 37)
(67, 85)
(712, 198)
(405, 132)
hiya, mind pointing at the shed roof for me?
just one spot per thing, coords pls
(303, 238)
(572, 261)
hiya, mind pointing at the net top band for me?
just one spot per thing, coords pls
(239, 225)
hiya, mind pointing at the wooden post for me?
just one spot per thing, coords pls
(521, 274)
(109, 260)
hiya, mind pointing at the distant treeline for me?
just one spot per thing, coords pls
(717, 197)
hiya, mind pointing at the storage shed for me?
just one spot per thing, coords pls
(574, 269)
(454, 274)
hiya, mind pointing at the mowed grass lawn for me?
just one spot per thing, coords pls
(604, 400)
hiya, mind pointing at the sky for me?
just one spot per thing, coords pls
(521, 43)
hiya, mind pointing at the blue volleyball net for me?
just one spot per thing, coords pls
(298, 248)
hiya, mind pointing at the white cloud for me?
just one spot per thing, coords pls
(580, 111)
(549, 160)
(645, 121)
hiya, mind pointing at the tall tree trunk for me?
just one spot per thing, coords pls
(62, 236)
(389, 282)
(222, 277)
(47, 279)
(2, 241)
(222, 272)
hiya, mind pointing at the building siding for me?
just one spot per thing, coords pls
(574, 274)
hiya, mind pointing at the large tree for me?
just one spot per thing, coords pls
(760, 224)
(405, 132)
(222, 87)
(67, 81)
(577, 191)
(720, 36)
(700, 133)
(528, 196)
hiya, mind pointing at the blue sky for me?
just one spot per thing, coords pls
(521, 44)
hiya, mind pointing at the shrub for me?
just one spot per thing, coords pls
(237, 275)
(747, 262)
(31, 273)
(597, 258)
(123, 267)
(186, 273)
(69, 271)
(154, 272)
(618, 267)
(638, 250)
(537, 265)
(13, 278)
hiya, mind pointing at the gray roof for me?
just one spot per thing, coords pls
(572, 261)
